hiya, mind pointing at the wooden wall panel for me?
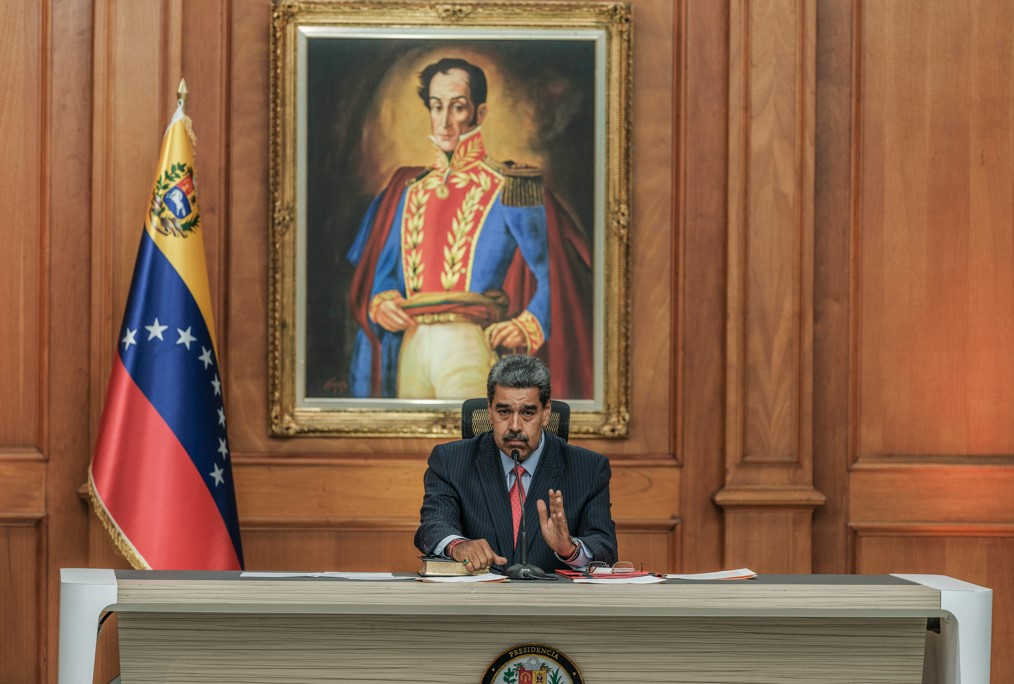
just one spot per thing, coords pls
(652, 413)
(701, 155)
(768, 494)
(22, 484)
(832, 344)
(770, 229)
(67, 196)
(21, 309)
(918, 492)
(354, 545)
(64, 231)
(22, 569)
(22, 546)
(932, 282)
(936, 210)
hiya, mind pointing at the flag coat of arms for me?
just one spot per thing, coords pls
(161, 479)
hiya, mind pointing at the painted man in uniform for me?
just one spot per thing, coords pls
(435, 253)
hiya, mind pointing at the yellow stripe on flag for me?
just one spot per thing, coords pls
(183, 246)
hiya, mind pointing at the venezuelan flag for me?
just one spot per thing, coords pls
(161, 479)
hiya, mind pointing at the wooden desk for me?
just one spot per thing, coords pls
(202, 626)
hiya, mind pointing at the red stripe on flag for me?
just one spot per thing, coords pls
(152, 490)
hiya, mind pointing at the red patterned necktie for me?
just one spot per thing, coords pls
(517, 501)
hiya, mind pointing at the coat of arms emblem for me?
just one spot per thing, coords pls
(532, 664)
(174, 202)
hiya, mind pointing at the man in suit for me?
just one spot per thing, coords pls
(471, 485)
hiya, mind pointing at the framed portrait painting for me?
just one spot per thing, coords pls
(450, 183)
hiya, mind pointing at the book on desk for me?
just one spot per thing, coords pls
(438, 566)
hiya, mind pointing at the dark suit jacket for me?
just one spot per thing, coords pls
(466, 494)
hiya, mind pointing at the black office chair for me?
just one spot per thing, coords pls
(475, 418)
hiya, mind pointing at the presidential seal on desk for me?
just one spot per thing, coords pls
(532, 664)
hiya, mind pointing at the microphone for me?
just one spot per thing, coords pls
(523, 570)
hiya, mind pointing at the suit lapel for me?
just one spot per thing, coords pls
(494, 489)
(547, 477)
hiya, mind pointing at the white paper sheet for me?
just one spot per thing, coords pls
(369, 576)
(741, 573)
(619, 579)
(485, 577)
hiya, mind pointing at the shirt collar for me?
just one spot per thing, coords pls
(470, 150)
(530, 463)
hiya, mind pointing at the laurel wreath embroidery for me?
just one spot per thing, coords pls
(455, 171)
(459, 172)
(412, 238)
(461, 228)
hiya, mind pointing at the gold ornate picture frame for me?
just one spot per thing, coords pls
(522, 220)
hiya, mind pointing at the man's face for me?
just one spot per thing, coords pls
(518, 418)
(452, 113)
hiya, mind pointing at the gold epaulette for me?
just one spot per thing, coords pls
(522, 184)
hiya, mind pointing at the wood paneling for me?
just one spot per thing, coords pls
(22, 485)
(68, 197)
(769, 381)
(22, 119)
(21, 647)
(931, 279)
(701, 80)
(934, 229)
(894, 240)
(355, 545)
(832, 345)
(771, 128)
(924, 492)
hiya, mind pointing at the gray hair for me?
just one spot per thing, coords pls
(520, 372)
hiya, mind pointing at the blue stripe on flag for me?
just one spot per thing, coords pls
(179, 382)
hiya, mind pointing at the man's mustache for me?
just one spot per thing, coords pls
(515, 436)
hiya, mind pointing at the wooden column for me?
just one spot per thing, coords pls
(768, 496)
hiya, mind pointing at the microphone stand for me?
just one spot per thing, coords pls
(522, 570)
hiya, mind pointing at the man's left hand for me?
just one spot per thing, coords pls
(554, 526)
(506, 334)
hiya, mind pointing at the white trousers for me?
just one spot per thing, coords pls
(444, 361)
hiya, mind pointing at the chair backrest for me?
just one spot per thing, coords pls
(475, 418)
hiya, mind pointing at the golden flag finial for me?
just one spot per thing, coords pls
(181, 92)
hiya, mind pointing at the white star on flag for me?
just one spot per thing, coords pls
(217, 475)
(223, 449)
(185, 337)
(217, 384)
(128, 339)
(155, 330)
(221, 417)
(205, 357)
